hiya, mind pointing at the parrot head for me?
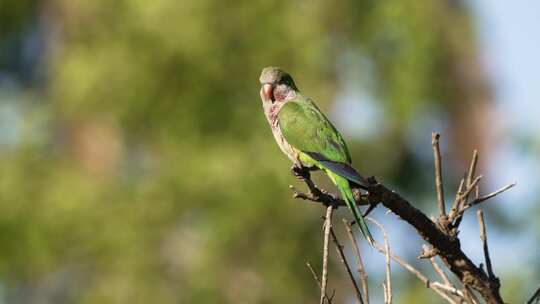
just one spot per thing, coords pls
(276, 85)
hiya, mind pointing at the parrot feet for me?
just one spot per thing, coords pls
(300, 172)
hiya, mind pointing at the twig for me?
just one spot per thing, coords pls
(461, 201)
(448, 286)
(455, 206)
(438, 173)
(327, 228)
(385, 293)
(472, 167)
(440, 272)
(435, 287)
(451, 289)
(486, 197)
(369, 209)
(469, 184)
(483, 237)
(317, 280)
(405, 265)
(456, 213)
(359, 263)
(535, 297)
(387, 254)
(470, 296)
(339, 249)
(314, 274)
(469, 189)
(445, 296)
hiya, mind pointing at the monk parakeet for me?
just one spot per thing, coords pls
(307, 137)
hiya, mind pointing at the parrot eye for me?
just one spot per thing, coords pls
(288, 81)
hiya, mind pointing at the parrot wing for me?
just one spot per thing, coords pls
(306, 128)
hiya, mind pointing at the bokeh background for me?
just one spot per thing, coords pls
(137, 166)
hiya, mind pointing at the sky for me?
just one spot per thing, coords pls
(510, 42)
(510, 39)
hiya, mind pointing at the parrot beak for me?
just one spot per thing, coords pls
(267, 92)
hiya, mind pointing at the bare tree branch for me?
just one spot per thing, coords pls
(455, 205)
(327, 228)
(441, 234)
(438, 288)
(470, 296)
(483, 238)
(388, 283)
(440, 272)
(385, 292)
(318, 281)
(452, 290)
(486, 197)
(443, 295)
(472, 168)
(343, 259)
(469, 189)
(315, 276)
(460, 196)
(448, 286)
(448, 247)
(438, 173)
(359, 263)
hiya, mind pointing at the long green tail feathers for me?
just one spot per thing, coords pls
(344, 188)
(347, 195)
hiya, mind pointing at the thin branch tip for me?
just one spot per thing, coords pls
(483, 238)
(438, 173)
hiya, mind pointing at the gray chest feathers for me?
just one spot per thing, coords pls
(271, 111)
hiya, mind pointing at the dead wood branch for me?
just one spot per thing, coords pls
(359, 263)
(441, 234)
(343, 259)
(327, 227)
(438, 173)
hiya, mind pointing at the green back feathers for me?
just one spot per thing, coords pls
(308, 130)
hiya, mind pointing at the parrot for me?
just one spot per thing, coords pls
(306, 136)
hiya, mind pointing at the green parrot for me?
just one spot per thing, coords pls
(308, 138)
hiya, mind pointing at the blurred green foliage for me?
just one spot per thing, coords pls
(14, 14)
(146, 173)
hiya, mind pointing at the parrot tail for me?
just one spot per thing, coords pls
(347, 195)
